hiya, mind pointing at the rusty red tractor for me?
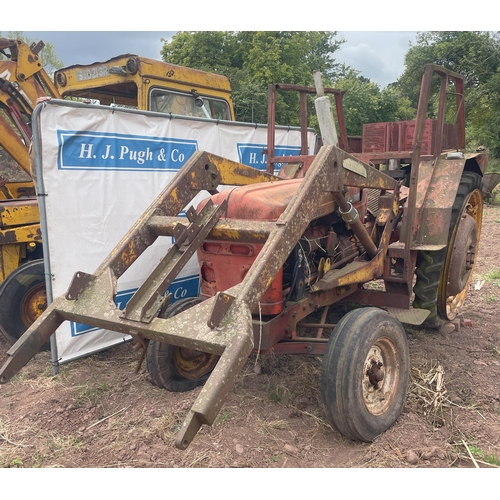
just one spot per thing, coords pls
(400, 206)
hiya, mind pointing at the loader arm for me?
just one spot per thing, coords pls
(221, 325)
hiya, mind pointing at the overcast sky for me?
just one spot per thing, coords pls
(378, 55)
(372, 46)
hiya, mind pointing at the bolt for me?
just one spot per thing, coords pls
(375, 374)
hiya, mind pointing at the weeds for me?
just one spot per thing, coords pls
(167, 426)
(16, 463)
(37, 461)
(21, 376)
(89, 396)
(493, 275)
(476, 454)
(224, 416)
(491, 298)
(428, 391)
(274, 424)
(276, 393)
(488, 458)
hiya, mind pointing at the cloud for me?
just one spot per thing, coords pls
(87, 47)
(378, 55)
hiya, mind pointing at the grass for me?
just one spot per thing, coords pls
(273, 424)
(38, 460)
(167, 426)
(224, 416)
(488, 458)
(493, 275)
(88, 397)
(276, 393)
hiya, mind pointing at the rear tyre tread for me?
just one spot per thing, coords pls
(430, 264)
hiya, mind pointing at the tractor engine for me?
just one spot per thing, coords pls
(327, 243)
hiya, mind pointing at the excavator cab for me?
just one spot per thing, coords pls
(146, 84)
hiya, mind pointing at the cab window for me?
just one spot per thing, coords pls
(167, 101)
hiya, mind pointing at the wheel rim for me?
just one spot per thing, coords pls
(193, 364)
(33, 304)
(190, 364)
(378, 395)
(461, 258)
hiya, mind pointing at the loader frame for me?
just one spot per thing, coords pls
(223, 324)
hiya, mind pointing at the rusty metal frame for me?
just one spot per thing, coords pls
(305, 157)
(423, 104)
(221, 325)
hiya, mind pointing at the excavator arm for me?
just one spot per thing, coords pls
(22, 81)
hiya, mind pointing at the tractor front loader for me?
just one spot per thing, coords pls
(277, 249)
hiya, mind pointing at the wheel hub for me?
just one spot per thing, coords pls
(33, 305)
(380, 376)
(193, 364)
(463, 255)
(375, 373)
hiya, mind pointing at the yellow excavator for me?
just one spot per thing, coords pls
(126, 80)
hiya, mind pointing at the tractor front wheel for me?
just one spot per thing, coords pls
(365, 373)
(178, 369)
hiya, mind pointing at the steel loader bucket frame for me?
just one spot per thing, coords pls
(221, 325)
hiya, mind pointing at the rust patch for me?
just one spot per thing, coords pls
(129, 255)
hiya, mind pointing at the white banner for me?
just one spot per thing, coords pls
(101, 168)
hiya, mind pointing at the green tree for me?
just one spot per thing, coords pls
(473, 54)
(206, 50)
(365, 102)
(476, 56)
(255, 59)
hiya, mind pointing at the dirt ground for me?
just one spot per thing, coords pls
(99, 413)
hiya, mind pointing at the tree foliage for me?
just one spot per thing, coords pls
(476, 56)
(255, 59)
(365, 102)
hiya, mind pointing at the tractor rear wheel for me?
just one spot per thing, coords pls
(443, 276)
(178, 369)
(365, 373)
(23, 298)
